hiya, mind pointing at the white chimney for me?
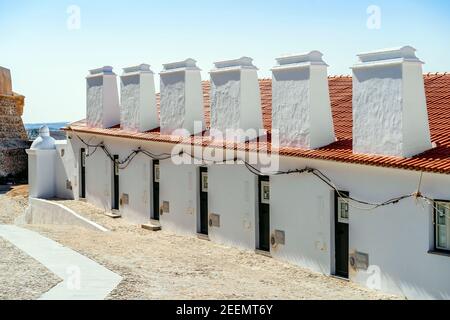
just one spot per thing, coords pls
(181, 98)
(301, 108)
(138, 110)
(102, 98)
(235, 97)
(389, 104)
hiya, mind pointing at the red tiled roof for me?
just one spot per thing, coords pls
(437, 160)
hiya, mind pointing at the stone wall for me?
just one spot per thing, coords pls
(5, 82)
(13, 140)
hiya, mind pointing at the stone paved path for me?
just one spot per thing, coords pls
(22, 277)
(83, 278)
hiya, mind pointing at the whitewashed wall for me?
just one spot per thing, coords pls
(301, 102)
(173, 88)
(372, 119)
(302, 207)
(41, 173)
(47, 212)
(232, 194)
(65, 170)
(135, 180)
(397, 238)
(389, 104)
(99, 170)
(179, 186)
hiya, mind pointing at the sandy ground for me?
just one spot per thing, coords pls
(22, 277)
(12, 205)
(94, 214)
(161, 265)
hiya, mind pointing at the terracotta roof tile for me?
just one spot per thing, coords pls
(437, 87)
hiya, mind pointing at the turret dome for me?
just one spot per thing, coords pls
(44, 141)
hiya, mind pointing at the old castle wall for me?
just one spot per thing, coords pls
(13, 137)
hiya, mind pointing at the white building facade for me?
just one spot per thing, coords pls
(317, 209)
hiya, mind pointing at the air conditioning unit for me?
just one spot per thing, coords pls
(214, 220)
(124, 199)
(359, 261)
(165, 208)
(278, 237)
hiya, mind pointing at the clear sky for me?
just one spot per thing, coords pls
(49, 47)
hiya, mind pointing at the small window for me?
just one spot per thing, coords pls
(83, 158)
(204, 181)
(265, 192)
(343, 210)
(156, 173)
(442, 223)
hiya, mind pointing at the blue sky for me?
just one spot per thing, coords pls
(49, 61)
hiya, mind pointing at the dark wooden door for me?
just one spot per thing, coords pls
(204, 201)
(116, 183)
(264, 214)
(83, 173)
(342, 234)
(155, 190)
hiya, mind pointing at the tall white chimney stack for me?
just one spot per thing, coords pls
(301, 108)
(389, 104)
(235, 96)
(102, 98)
(138, 110)
(181, 98)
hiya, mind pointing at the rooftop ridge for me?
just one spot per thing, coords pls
(435, 160)
(437, 73)
(339, 76)
(346, 76)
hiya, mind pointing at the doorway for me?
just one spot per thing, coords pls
(203, 200)
(341, 206)
(115, 205)
(83, 173)
(156, 171)
(264, 214)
